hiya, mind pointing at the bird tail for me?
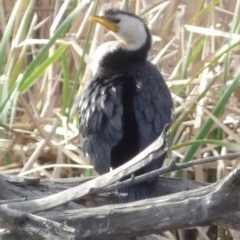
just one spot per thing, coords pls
(136, 192)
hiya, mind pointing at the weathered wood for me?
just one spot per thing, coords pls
(171, 167)
(165, 186)
(153, 151)
(201, 206)
(34, 226)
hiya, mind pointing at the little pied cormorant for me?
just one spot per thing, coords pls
(127, 103)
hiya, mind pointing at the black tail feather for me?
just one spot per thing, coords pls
(137, 192)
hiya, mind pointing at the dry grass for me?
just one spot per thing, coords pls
(195, 45)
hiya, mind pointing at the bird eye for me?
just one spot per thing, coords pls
(113, 19)
(116, 20)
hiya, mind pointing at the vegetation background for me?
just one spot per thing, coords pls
(46, 48)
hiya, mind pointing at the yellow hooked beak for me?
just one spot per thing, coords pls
(105, 22)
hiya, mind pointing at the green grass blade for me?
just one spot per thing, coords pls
(177, 123)
(81, 64)
(3, 50)
(230, 146)
(217, 111)
(204, 10)
(18, 68)
(126, 5)
(215, 59)
(187, 58)
(226, 65)
(66, 78)
(197, 50)
(59, 33)
(42, 68)
(10, 102)
(44, 51)
(7, 35)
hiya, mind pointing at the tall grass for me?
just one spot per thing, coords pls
(46, 49)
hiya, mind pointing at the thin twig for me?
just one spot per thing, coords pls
(38, 150)
(153, 151)
(170, 168)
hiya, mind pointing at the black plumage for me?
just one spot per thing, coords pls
(124, 109)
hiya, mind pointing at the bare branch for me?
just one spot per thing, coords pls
(40, 227)
(170, 168)
(194, 208)
(156, 149)
(182, 210)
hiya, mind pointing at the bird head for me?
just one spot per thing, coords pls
(127, 27)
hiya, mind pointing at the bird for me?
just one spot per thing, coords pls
(126, 104)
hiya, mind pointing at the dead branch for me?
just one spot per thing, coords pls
(33, 224)
(215, 203)
(203, 205)
(170, 168)
(156, 149)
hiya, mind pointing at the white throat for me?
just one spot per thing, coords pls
(131, 32)
(132, 36)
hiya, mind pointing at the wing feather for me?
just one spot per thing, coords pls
(149, 113)
(108, 107)
(153, 108)
(101, 113)
(101, 120)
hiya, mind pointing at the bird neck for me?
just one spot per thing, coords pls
(117, 56)
(121, 58)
